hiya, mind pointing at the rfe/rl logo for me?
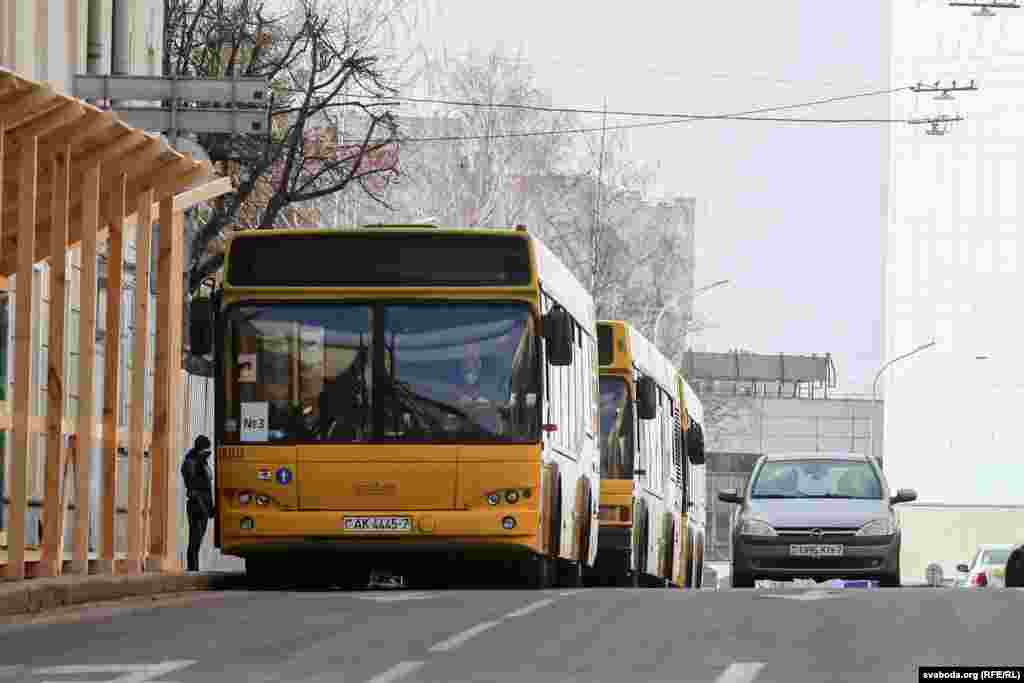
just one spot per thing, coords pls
(252, 423)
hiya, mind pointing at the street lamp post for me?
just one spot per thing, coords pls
(878, 375)
(696, 292)
(874, 387)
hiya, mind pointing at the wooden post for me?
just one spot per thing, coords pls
(26, 227)
(137, 416)
(2, 179)
(112, 376)
(53, 510)
(86, 438)
(166, 390)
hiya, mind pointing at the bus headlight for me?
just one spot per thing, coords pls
(244, 498)
(248, 523)
(512, 496)
(493, 498)
(878, 527)
(508, 523)
(755, 527)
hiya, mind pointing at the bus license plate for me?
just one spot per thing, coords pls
(378, 524)
(816, 550)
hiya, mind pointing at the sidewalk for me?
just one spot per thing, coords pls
(36, 595)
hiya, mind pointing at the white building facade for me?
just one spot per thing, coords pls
(952, 421)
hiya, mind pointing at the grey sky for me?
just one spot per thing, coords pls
(792, 214)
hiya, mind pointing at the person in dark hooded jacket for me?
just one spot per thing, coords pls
(195, 470)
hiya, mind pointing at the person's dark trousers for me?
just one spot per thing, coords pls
(197, 521)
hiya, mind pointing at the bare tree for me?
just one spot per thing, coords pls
(315, 55)
(725, 414)
(470, 166)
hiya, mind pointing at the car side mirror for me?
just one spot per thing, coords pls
(729, 496)
(558, 333)
(963, 568)
(904, 496)
(647, 398)
(200, 326)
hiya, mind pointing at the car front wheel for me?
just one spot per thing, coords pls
(890, 581)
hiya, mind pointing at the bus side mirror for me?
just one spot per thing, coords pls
(647, 398)
(200, 326)
(695, 443)
(558, 333)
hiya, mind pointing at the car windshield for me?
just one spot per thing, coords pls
(997, 557)
(616, 430)
(817, 479)
(347, 373)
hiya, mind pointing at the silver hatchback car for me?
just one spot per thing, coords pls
(817, 515)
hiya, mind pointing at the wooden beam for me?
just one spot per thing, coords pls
(78, 134)
(111, 380)
(24, 316)
(137, 406)
(53, 510)
(86, 438)
(58, 117)
(166, 398)
(106, 154)
(187, 199)
(164, 180)
(28, 106)
(2, 136)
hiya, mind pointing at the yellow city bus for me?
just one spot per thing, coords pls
(650, 482)
(391, 395)
(696, 485)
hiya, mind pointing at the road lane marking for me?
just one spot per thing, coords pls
(809, 595)
(397, 671)
(398, 597)
(133, 673)
(740, 672)
(566, 594)
(460, 638)
(532, 607)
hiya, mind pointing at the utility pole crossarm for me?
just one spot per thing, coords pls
(992, 4)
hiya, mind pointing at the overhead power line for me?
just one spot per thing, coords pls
(738, 116)
(639, 114)
(673, 119)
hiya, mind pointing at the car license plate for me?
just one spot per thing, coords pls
(378, 524)
(816, 550)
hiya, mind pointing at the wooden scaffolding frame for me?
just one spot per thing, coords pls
(72, 175)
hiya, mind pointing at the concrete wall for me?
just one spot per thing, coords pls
(767, 424)
(950, 534)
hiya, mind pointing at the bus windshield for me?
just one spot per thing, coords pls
(616, 430)
(356, 373)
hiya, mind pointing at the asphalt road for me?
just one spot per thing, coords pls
(519, 636)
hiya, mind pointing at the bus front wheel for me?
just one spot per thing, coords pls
(541, 572)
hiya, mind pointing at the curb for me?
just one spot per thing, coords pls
(36, 595)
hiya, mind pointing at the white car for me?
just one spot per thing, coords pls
(988, 568)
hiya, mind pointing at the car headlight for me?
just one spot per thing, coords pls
(878, 527)
(755, 527)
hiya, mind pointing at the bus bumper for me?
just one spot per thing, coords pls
(429, 531)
